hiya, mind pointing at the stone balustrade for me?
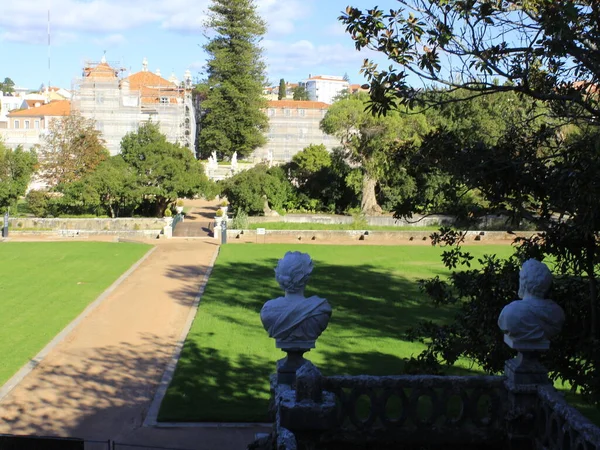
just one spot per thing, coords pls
(518, 411)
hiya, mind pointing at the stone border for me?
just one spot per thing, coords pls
(37, 359)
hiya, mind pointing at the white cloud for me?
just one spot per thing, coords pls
(281, 16)
(304, 57)
(26, 21)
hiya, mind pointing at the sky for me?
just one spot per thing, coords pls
(304, 37)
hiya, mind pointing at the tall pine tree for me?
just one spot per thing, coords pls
(233, 117)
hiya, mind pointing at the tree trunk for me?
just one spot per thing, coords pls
(368, 202)
(161, 206)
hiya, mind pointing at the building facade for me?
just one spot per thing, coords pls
(120, 104)
(293, 125)
(27, 126)
(324, 88)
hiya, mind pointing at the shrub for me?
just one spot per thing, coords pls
(219, 213)
(168, 212)
(179, 202)
(224, 203)
(240, 221)
(38, 203)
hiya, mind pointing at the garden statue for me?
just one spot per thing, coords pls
(214, 157)
(529, 324)
(234, 161)
(293, 320)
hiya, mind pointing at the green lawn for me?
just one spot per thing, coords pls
(334, 226)
(45, 285)
(223, 373)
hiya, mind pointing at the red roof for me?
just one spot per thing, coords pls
(300, 104)
(148, 79)
(102, 70)
(55, 108)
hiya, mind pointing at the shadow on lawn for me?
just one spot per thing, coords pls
(366, 301)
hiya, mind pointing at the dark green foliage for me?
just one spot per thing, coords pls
(149, 174)
(370, 142)
(16, 168)
(550, 54)
(540, 172)
(38, 202)
(282, 88)
(162, 171)
(232, 116)
(248, 190)
(299, 93)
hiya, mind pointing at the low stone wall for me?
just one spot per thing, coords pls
(418, 221)
(94, 224)
(352, 236)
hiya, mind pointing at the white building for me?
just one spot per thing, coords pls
(324, 88)
(8, 103)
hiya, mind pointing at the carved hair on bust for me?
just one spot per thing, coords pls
(535, 279)
(293, 271)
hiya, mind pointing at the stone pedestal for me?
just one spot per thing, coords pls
(287, 367)
(523, 376)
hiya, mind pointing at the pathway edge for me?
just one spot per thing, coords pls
(37, 359)
(151, 419)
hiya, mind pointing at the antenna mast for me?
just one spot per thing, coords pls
(48, 86)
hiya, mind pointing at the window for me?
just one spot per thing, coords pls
(27, 122)
(302, 133)
(17, 125)
(164, 100)
(99, 98)
(301, 112)
(271, 112)
(100, 126)
(287, 112)
(36, 124)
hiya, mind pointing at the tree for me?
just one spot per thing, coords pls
(282, 90)
(72, 149)
(248, 191)
(116, 186)
(300, 93)
(545, 50)
(163, 171)
(233, 117)
(7, 86)
(541, 173)
(368, 140)
(16, 168)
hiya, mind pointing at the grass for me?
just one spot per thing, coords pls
(335, 226)
(45, 285)
(223, 373)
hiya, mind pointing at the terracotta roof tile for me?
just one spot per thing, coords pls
(102, 70)
(301, 104)
(148, 79)
(55, 108)
(325, 77)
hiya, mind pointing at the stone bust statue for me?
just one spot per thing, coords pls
(295, 321)
(529, 324)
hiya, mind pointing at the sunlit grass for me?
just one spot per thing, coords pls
(45, 285)
(223, 374)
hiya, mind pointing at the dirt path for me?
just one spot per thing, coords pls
(99, 382)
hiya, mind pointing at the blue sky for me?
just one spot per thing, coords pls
(304, 38)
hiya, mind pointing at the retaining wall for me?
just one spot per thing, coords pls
(341, 236)
(94, 224)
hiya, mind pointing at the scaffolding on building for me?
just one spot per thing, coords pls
(104, 94)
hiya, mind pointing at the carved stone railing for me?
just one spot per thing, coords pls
(560, 426)
(358, 411)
